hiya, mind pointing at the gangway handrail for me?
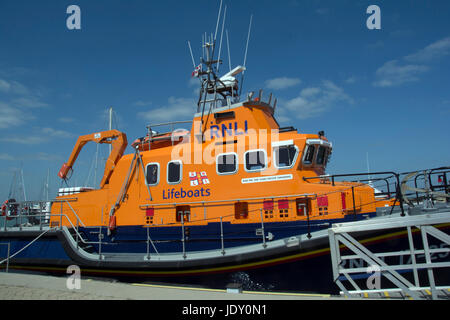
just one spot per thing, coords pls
(339, 234)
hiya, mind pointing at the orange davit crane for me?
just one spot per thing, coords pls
(117, 139)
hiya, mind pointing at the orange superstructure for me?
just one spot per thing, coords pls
(204, 191)
(235, 166)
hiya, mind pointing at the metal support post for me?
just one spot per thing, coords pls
(262, 229)
(221, 237)
(183, 238)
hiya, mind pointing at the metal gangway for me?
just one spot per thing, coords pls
(373, 266)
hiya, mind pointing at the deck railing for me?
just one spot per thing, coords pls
(36, 214)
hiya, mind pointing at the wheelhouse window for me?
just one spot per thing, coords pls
(255, 160)
(309, 155)
(174, 171)
(321, 154)
(152, 174)
(285, 156)
(226, 163)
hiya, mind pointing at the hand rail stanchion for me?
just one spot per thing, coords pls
(7, 261)
(262, 229)
(182, 231)
(77, 232)
(100, 236)
(60, 217)
(353, 199)
(221, 237)
(148, 244)
(20, 217)
(40, 216)
(8, 253)
(307, 221)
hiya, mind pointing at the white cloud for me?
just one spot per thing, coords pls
(194, 82)
(314, 101)
(29, 102)
(177, 108)
(409, 68)
(13, 112)
(323, 11)
(24, 139)
(282, 83)
(5, 156)
(41, 135)
(66, 120)
(393, 73)
(375, 45)
(431, 52)
(351, 80)
(142, 103)
(5, 86)
(13, 87)
(44, 156)
(11, 116)
(309, 92)
(50, 132)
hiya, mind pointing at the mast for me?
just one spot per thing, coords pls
(23, 185)
(46, 191)
(215, 90)
(110, 126)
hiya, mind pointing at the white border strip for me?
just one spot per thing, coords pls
(267, 179)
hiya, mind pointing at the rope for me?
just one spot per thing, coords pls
(29, 244)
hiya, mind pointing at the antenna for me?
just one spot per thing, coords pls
(203, 46)
(228, 46)
(246, 49)
(248, 38)
(218, 18)
(221, 36)
(192, 56)
(110, 126)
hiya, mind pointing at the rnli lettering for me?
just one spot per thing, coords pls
(230, 129)
(180, 194)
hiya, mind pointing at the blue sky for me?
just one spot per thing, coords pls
(383, 92)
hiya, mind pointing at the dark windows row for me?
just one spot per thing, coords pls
(227, 163)
(256, 160)
(318, 152)
(174, 172)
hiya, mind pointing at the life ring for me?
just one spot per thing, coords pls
(9, 210)
(4, 207)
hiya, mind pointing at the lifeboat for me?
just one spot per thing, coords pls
(235, 194)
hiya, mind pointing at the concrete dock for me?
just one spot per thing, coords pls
(21, 286)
